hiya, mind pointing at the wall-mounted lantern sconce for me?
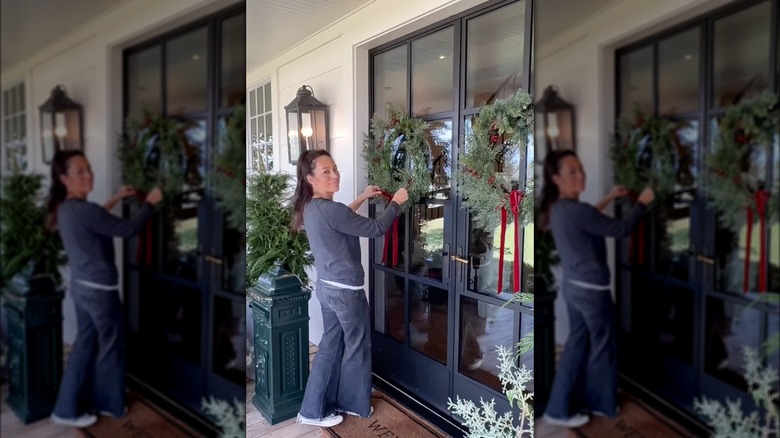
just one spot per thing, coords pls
(307, 124)
(61, 124)
(554, 122)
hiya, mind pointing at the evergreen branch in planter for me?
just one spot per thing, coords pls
(269, 238)
(27, 247)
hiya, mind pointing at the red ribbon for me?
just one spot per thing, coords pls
(515, 199)
(638, 240)
(394, 232)
(762, 201)
(144, 246)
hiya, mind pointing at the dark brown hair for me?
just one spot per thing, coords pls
(57, 190)
(303, 190)
(552, 165)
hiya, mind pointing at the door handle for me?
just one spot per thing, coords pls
(212, 259)
(706, 260)
(459, 260)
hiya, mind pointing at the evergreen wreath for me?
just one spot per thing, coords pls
(229, 172)
(154, 152)
(732, 182)
(500, 132)
(643, 153)
(397, 155)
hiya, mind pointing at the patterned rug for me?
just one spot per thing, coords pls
(390, 420)
(143, 420)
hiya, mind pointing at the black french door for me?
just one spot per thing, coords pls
(436, 311)
(684, 318)
(184, 276)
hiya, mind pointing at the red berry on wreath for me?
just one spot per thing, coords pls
(491, 180)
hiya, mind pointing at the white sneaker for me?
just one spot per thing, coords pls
(603, 415)
(329, 421)
(84, 420)
(576, 420)
(354, 414)
(109, 414)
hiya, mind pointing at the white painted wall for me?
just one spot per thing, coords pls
(88, 62)
(334, 61)
(580, 61)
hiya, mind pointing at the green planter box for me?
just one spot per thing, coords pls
(34, 312)
(280, 313)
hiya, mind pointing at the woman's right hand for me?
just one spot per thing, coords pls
(155, 196)
(400, 196)
(647, 196)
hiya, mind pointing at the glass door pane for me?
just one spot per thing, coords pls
(678, 73)
(438, 135)
(428, 320)
(495, 49)
(144, 82)
(186, 74)
(741, 55)
(390, 80)
(233, 62)
(636, 81)
(432, 66)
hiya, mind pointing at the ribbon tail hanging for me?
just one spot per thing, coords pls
(501, 252)
(746, 273)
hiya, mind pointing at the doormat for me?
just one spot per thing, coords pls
(635, 420)
(143, 420)
(390, 420)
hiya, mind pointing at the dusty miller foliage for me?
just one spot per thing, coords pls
(229, 174)
(268, 235)
(643, 152)
(500, 133)
(231, 420)
(393, 162)
(483, 421)
(733, 174)
(26, 246)
(729, 420)
(154, 152)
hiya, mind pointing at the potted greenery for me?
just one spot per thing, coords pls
(269, 238)
(30, 254)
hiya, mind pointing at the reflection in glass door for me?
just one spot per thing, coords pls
(184, 275)
(435, 304)
(684, 318)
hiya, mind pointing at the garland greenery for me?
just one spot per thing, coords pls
(733, 177)
(154, 152)
(500, 133)
(643, 154)
(27, 247)
(230, 418)
(396, 155)
(269, 238)
(229, 171)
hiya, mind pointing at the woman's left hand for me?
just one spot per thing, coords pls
(618, 191)
(370, 192)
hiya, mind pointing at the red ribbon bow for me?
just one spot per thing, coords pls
(515, 199)
(762, 202)
(394, 232)
(144, 247)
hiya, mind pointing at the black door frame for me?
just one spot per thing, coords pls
(211, 231)
(457, 228)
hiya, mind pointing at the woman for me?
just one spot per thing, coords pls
(586, 378)
(94, 375)
(340, 378)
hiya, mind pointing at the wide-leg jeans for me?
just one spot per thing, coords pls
(586, 377)
(340, 377)
(94, 376)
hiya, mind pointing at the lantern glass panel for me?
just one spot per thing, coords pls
(293, 140)
(47, 137)
(320, 130)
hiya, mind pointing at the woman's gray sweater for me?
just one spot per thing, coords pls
(334, 232)
(579, 230)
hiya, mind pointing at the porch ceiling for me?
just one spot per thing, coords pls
(30, 26)
(280, 24)
(552, 17)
